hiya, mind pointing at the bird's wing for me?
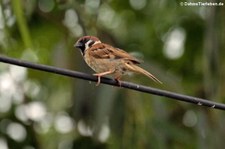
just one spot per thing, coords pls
(105, 51)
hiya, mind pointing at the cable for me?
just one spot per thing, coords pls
(132, 86)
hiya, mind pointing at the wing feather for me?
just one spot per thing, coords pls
(105, 51)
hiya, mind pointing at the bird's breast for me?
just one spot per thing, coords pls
(99, 64)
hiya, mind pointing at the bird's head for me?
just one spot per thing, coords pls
(86, 42)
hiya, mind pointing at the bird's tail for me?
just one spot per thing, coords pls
(138, 69)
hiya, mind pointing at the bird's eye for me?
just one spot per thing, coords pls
(85, 40)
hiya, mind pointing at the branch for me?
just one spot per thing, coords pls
(132, 86)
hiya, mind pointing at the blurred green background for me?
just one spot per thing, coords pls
(182, 45)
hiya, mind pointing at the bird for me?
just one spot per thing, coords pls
(105, 59)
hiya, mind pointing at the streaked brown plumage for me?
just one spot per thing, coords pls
(107, 60)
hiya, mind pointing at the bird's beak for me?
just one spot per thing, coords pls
(78, 45)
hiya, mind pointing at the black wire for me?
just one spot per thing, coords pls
(137, 87)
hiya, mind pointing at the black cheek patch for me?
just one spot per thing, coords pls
(91, 43)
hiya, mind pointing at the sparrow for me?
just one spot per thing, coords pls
(105, 59)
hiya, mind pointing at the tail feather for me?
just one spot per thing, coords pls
(138, 69)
